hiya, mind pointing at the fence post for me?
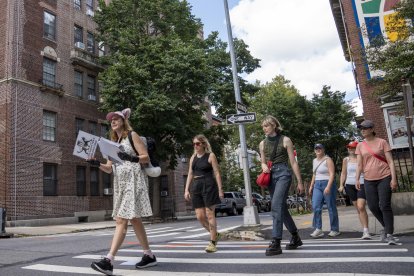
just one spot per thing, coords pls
(3, 233)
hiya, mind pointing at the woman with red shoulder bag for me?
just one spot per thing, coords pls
(279, 149)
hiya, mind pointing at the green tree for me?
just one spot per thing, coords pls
(393, 58)
(160, 67)
(326, 118)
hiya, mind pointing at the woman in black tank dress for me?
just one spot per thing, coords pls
(206, 189)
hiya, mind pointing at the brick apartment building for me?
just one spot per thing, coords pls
(49, 91)
(358, 22)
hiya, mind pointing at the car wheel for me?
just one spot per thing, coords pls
(233, 211)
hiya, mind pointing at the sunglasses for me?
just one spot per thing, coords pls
(197, 144)
(365, 128)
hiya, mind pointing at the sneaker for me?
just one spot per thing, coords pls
(391, 240)
(334, 233)
(366, 236)
(274, 248)
(211, 248)
(294, 243)
(104, 266)
(146, 261)
(318, 233)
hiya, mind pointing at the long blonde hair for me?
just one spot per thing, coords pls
(204, 141)
(126, 128)
(270, 120)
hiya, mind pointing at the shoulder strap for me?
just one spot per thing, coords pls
(320, 163)
(273, 154)
(373, 153)
(131, 141)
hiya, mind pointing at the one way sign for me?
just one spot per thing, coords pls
(241, 118)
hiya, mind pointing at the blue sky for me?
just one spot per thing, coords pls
(294, 38)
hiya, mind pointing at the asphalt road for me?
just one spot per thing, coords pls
(179, 247)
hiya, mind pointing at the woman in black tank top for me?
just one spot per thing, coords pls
(206, 189)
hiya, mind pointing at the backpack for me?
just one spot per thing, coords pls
(150, 145)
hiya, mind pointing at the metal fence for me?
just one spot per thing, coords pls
(403, 167)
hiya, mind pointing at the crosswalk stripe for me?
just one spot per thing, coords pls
(285, 242)
(305, 245)
(297, 251)
(131, 260)
(207, 233)
(133, 272)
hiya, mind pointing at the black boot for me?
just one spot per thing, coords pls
(295, 242)
(274, 248)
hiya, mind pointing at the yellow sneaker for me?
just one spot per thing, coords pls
(211, 248)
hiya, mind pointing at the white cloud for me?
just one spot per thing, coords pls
(295, 38)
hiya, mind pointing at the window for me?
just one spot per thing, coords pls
(78, 82)
(79, 125)
(49, 72)
(106, 179)
(101, 49)
(105, 131)
(80, 181)
(94, 183)
(78, 35)
(49, 179)
(91, 88)
(89, 7)
(164, 183)
(90, 43)
(93, 128)
(77, 4)
(49, 126)
(49, 25)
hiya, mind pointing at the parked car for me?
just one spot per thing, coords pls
(260, 202)
(232, 203)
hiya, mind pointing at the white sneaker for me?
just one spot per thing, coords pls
(318, 233)
(366, 236)
(334, 233)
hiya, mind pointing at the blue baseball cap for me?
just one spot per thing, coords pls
(318, 146)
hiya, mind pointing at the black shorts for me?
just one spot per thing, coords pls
(204, 192)
(353, 193)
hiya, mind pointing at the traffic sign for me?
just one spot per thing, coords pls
(241, 107)
(241, 118)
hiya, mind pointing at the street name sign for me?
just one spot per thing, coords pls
(241, 107)
(241, 118)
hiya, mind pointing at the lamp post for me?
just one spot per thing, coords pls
(250, 216)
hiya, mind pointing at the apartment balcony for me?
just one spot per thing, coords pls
(51, 87)
(85, 59)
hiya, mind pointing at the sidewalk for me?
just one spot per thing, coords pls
(348, 222)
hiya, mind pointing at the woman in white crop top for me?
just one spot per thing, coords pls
(323, 189)
(357, 196)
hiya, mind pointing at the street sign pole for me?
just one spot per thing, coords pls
(250, 215)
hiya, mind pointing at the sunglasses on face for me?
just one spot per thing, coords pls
(364, 128)
(197, 144)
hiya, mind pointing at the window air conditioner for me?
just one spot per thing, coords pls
(108, 191)
(80, 45)
(164, 193)
(90, 13)
(92, 97)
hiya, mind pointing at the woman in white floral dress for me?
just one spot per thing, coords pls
(131, 199)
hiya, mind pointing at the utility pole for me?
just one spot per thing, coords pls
(250, 215)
